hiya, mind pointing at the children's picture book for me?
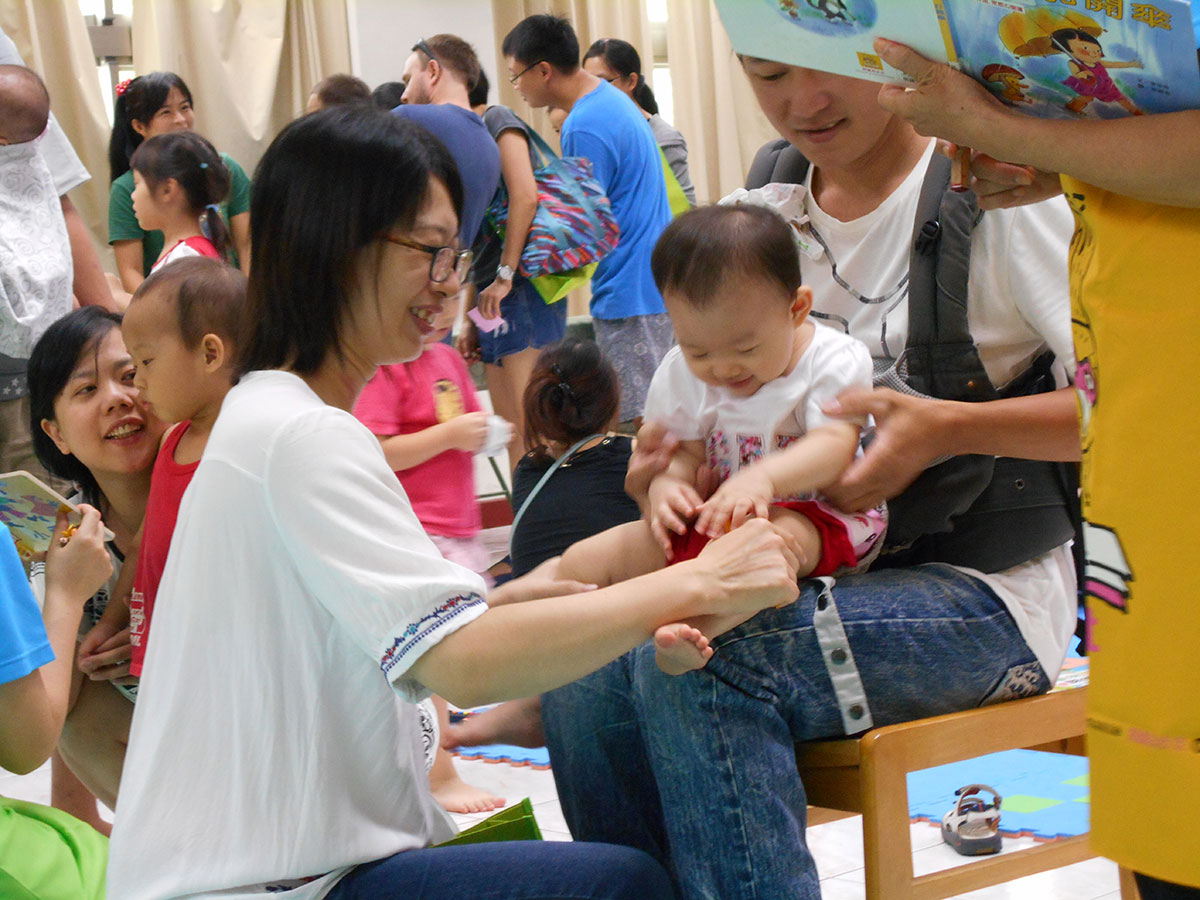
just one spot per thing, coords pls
(1080, 58)
(29, 507)
(1049, 58)
(836, 35)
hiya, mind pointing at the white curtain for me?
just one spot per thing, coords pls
(250, 64)
(53, 40)
(715, 108)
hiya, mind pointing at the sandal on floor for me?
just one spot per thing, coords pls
(972, 827)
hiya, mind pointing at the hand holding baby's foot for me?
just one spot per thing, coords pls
(680, 648)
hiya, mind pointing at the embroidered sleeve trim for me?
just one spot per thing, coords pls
(415, 633)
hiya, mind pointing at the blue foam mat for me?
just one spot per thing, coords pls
(1056, 782)
(538, 758)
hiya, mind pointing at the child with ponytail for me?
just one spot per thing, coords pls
(178, 181)
(148, 106)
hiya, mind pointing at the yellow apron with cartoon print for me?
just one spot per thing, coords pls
(1135, 308)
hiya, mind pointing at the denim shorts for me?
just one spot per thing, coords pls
(528, 322)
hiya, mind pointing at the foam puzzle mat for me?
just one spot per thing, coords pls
(1045, 795)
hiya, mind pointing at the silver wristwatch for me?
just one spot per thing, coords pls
(504, 273)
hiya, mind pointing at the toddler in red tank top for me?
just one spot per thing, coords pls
(179, 329)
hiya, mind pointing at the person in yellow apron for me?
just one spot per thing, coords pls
(1134, 185)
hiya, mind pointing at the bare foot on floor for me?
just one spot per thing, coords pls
(680, 648)
(459, 797)
(517, 722)
(455, 794)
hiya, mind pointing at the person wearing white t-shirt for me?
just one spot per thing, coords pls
(305, 611)
(700, 770)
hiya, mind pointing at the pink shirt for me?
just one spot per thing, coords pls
(409, 397)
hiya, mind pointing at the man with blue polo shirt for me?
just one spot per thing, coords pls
(605, 127)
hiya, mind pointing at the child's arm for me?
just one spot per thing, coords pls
(33, 708)
(467, 432)
(672, 498)
(810, 464)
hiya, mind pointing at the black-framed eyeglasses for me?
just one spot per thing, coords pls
(427, 50)
(512, 79)
(445, 259)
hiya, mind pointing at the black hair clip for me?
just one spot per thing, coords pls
(562, 383)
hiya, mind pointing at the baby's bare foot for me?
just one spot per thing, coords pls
(680, 648)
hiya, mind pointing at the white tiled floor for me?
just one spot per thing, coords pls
(837, 846)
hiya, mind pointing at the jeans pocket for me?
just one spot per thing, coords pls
(1024, 680)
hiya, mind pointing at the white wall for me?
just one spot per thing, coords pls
(383, 31)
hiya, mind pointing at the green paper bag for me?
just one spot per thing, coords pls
(513, 824)
(553, 288)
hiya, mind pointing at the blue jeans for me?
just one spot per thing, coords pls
(528, 322)
(517, 870)
(699, 770)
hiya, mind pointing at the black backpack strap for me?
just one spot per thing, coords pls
(940, 357)
(777, 162)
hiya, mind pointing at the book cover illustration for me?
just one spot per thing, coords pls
(1080, 58)
(835, 35)
(29, 508)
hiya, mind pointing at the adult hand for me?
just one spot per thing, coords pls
(467, 432)
(754, 566)
(909, 435)
(467, 341)
(942, 102)
(745, 496)
(490, 297)
(542, 581)
(670, 507)
(106, 652)
(1001, 185)
(77, 563)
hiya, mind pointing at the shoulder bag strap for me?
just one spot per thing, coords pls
(542, 483)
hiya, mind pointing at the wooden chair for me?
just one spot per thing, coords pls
(868, 774)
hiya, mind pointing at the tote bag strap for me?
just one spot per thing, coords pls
(542, 483)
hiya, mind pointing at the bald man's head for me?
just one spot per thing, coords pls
(24, 105)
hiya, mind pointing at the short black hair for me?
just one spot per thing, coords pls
(478, 95)
(209, 298)
(341, 88)
(1062, 37)
(543, 38)
(54, 358)
(329, 185)
(387, 95)
(701, 250)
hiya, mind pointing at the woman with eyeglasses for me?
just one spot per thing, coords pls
(277, 748)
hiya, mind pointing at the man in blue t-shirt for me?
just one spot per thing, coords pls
(606, 127)
(438, 75)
